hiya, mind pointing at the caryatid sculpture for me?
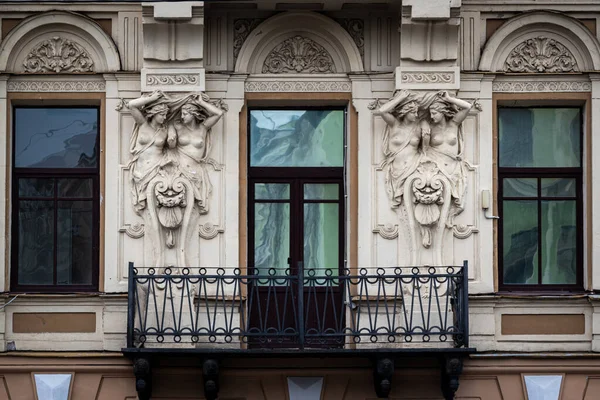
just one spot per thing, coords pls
(424, 165)
(170, 148)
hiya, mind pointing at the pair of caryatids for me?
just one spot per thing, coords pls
(170, 147)
(423, 147)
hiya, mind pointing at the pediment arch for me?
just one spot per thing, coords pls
(320, 41)
(579, 48)
(35, 39)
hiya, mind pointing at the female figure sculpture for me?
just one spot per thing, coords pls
(447, 143)
(147, 143)
(402, 138)
(192, 129)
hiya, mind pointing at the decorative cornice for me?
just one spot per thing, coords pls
(298, 54)
(55, 86)
(356, 28)
(540, 86)
(427, 77)
(58, 55)
(241, 29)
(540, 54)
(301, 86)
(171, 79)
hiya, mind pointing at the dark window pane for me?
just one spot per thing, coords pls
(72, 187)
(297, 138)
(321, 191)
(559, 187)
(559, 242)
(539, 137)
(520, 247)
(271, 239)
(56, 137)
(36, 242)
(36, 187)
(520, 187)
(272, 191)
(321, 239)
(75, 243)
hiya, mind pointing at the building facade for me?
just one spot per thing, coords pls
(301, 200)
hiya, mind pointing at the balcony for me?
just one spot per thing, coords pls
(381, 313)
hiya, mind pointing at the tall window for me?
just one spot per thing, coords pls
(55, 197)
(296, 203)
(540, 193)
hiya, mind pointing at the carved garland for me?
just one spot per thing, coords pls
(58, 55)
(298, 55)
(540, 54)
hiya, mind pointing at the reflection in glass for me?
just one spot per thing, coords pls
(36, 187)
(520, 236)
(539, 137)
(56, 137)
(297, 138)
(36, 242)
(77, 188)
(74, 243)
(321, 238)
(272, 191)
(519, 187)
(271, 239)
(53, 386)
(558, 187)
(321, 191)
(559, 242)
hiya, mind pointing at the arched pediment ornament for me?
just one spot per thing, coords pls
(58, 55)
(533, 40)
(540, 54)
(299, 54)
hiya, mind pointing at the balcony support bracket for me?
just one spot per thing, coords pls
(142, 370)
(210, 377)
(383, 372)
(452, 367)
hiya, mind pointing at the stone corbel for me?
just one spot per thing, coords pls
(452, 367)
(143, 378)
(430, 30)
(210, 376)
(383, 373)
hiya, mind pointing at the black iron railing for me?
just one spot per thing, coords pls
(392, 308)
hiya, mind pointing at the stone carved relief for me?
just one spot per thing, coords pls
(170, 159)
(56, 86)
(58, 55)
(356, 28)
(427, 77)
(171, 79)
(551, 86)
(241, 29)
(540, 54)
(424, 166)
(298, 55)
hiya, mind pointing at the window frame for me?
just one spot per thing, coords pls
(539, 173)
(17, 173)
(296, 177)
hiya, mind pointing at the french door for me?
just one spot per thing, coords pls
(296, 229)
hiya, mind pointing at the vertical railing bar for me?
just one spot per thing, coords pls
(131, 307)
(301, 304)
(465, 310)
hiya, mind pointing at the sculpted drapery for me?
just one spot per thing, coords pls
(424, 166)
(170, 147)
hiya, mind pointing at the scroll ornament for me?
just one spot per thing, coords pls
(424, 166)
(58, 55)
(169, 168)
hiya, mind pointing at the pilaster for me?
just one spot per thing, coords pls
(429, 45)
(173, 46)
